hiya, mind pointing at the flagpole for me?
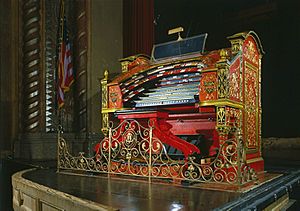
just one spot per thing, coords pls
(65, 68)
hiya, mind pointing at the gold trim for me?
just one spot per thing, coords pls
(134, 57)
(256, 70)
(223, 75)
(222, 103)
(104, 102)
(251, 66)
(134, 143)
(111, 110)
(240, 35)
(254, 160)
(209, 70)
(259, 107)
(251, 150)
(243, 36)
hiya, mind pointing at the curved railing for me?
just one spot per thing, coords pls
(131, 149)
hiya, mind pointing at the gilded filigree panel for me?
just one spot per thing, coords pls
(131, 149)
(250, 51)
(234, 117)
(104, 102)
(114, 97)
(251, 105)
(223, 83)
(235, 90)
(208, 86)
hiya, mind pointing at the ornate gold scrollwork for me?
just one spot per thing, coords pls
(209, 86)
(225, 117)
(234, 88)
(236, 41)
(105, 124)
(130, 149)
(236, 45)
(250, 52)
(223, 75)
(124, 65)
(251, 107)
(222, 126)
(224, 129)
(223, 83)
(104, 102)
(221, 116)
(104, 89)
(224, 54)
(241, 145)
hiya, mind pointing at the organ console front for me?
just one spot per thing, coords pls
(196, 100)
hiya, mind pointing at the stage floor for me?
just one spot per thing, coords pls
(127, 194)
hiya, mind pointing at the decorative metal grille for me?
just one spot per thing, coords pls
(131, 149)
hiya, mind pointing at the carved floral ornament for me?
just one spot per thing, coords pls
(251, 103)
(130, 138)
(234, 88)
(209, 84)
(250, 52)
(115, 100)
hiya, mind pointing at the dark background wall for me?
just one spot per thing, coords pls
(277, 22)
(8, 75)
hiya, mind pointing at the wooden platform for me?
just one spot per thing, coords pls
(46, 188)
(117, 194)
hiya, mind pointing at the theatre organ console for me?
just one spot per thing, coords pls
(194, 99)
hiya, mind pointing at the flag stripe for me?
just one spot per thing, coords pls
(65, 67)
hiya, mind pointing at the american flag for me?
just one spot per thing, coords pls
(65, 67)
